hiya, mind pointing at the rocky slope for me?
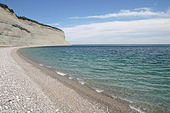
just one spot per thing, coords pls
(20, 31)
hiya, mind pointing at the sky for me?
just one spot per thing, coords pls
(101, 21)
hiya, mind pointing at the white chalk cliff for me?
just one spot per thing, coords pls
(20, 31)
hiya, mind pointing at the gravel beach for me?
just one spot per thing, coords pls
(20, 90)
(17, 92)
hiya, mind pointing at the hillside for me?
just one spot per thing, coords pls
(21, 31)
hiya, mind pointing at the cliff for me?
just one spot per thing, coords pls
(21, 31)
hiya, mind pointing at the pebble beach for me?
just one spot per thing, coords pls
(19, 92)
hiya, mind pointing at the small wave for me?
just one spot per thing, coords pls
(99, 90)
(102, 59)
(136, 109)
(60, 73)
(41, 64)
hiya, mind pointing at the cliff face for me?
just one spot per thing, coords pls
(18, 31)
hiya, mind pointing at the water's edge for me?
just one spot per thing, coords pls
(113, 103)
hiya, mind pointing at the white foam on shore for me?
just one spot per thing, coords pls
(70, 78)
(48, 66)
(99, 90)
(113, 96)
(136, 109)
(81, 82)
(60, 73)
(126, 100)
(78, 79)
(116, 97)
(41, 64)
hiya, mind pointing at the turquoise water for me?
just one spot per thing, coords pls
(139, 74)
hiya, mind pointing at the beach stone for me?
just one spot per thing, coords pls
(28, 98)
(6, 107)
(57, 110)
(18, 100)
(10, 102)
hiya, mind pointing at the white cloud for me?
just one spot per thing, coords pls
(138, 12)
(121, 32)
(144, 9)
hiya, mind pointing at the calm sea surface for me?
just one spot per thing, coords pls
(139, 74)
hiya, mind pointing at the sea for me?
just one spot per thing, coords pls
(137, 74)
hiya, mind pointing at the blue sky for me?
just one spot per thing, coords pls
(102, 21)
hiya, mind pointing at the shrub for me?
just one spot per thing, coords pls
(6, 7)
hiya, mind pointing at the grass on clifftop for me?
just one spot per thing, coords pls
(25, 18)
(6, 7)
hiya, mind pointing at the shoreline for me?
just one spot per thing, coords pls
(105, 102)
